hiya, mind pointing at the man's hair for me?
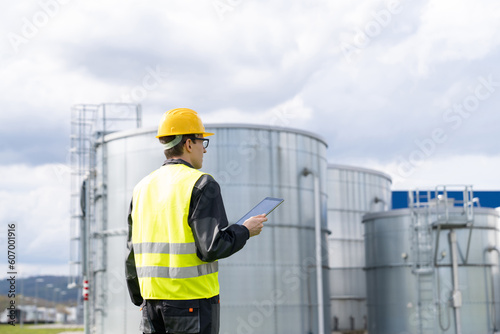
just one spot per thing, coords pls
(175, 151)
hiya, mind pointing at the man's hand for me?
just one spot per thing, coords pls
(255, 224)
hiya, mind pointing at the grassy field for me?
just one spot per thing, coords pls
(28, 329)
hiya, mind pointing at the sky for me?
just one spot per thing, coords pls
(409, 88)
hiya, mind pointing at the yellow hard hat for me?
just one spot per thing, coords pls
(181, 121)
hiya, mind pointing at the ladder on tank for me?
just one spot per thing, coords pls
(422, 264)
(89, 124)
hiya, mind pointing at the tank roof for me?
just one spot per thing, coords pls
(136, 132)
(128, 133)
(360, 169)
(407, 212)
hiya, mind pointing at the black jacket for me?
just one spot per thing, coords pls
(208, 221)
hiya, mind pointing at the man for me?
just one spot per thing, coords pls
(178, 229)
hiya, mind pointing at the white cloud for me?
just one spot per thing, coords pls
(36, 200)
(476, 170)
(449, 31)
(290, 113)
(228, 115)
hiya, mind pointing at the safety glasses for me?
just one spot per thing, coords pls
(205, 141)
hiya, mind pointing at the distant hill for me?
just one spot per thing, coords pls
(27, 287)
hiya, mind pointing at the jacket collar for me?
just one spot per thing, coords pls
(176, 162)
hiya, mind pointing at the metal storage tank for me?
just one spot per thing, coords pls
(268, 287)
(433, 268)
(352, 192)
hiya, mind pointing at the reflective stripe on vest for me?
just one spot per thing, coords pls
(179, 272)
(164, 248)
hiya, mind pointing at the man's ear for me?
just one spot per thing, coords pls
(188, 146)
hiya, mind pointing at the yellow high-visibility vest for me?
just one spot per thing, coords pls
(163, 242)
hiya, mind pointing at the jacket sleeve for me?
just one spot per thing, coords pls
(130, 269)
(207, 217)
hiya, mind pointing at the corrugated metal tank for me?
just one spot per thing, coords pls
(410, 281)
(352, 192)
(270, 285)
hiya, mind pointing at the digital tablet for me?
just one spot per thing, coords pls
(266, 206)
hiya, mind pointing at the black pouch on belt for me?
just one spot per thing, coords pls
(181, 316)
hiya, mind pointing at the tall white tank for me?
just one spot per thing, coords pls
(432, 271)
(352, 192)
(270, 285)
